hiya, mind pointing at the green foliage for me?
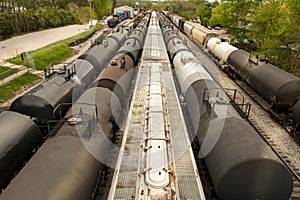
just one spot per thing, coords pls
(6, 71)
(7, 90)
(129, 3)
(273, 27)
(205, 12)
(85, 14)
(274, 24)
(102, 8)
(32, 20)
(235, 16)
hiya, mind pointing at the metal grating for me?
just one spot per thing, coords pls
(154, 130)
(187, 179)
(126, 175)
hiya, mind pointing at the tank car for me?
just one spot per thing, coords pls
(296, 115)
(116, 79)
(96, 55)
(279, 88)
(117, 75)
(220, 49)
(43, 103)
(296, 112)
(19, 137)
(176, 45)
(131, 48)
(19, 140)
(240, 159)
(67, 166)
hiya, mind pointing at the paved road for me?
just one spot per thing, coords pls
(31, 41)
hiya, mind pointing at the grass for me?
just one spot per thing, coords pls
(52, 53)
(6, 71)
(7, 90)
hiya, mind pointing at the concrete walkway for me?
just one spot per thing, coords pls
(80, 49)
(60, 33)
(32, 41)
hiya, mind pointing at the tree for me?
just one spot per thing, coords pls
(205, 12)
(102, 7)
(272, 27)
(235, 15)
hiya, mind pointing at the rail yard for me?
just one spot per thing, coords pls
(157, 108)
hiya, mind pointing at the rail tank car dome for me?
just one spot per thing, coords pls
(123, 61)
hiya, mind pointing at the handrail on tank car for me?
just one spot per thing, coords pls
(58, 107)
(242, 108)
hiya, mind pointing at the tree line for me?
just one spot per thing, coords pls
(272, 25)
(22, 16)
(264, 27)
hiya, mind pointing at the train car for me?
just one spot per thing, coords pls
(33, 110)
(279, 88)
(198, 35)
(296, 115)
(52, 99)
(116, 79)
(282, 91)
(65, 167)
(18, 140)
(220, 49)
(96, 55)
(237, 158)
(117, 75)
(187, 28)
(176, 19)
(112, 23)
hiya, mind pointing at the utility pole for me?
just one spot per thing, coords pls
(90, 12)
(16, 17)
